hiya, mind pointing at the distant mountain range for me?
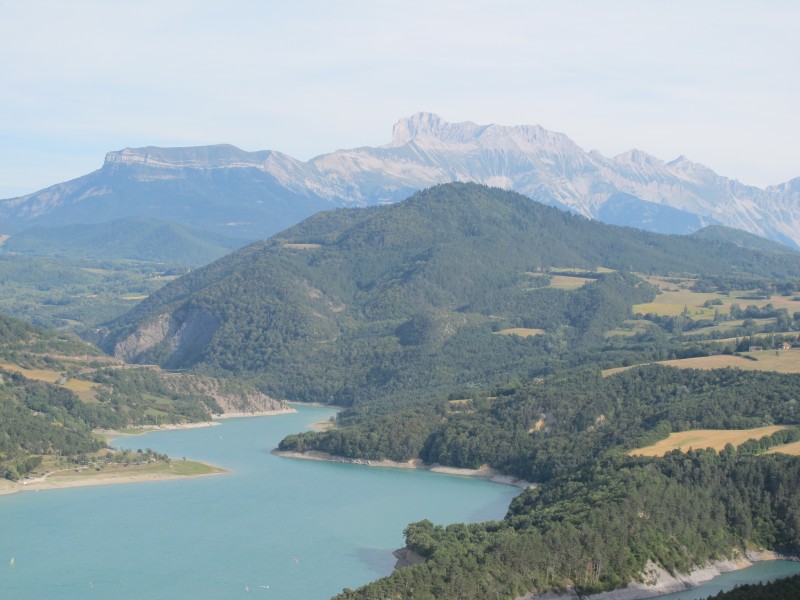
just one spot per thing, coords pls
(251, 195)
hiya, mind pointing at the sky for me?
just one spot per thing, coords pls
(716, 81)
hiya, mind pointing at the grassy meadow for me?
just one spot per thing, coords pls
(677, 296)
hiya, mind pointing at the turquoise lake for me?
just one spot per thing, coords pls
(272, 527)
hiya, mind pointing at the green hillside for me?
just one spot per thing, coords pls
(728, 235)
(599, 514)
(596, 529)
(403, 302)
(123, 239)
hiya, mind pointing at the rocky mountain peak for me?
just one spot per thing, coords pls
(417, 125)
(425, 150)
(430, 129)
(639, 158)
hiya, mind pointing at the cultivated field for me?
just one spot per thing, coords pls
(34, 374)
(566, 282)
(793, 449)
(76, 385)
(521, 331)
(781, 361)
(705, 438)
(630, 328)
(673, 303)
(676, 297)
(570, 282)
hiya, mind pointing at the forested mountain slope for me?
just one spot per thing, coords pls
(358, 304)
(741, 238)
(600, 516)
(548, 428)
(601, 528)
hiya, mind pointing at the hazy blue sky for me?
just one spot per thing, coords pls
(717, 81)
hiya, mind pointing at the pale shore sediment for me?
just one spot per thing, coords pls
(335, 407)
(141, 429)
(657, 581)
(52, 481)
(483, 473)
(260, 413)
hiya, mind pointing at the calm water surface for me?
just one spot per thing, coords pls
(272, 528)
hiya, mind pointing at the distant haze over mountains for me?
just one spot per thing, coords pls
(252, 195)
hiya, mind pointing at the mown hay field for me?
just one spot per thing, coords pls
(630, 328)
(521, 331)
(76, 385)
(781, 361)
(676, 297)
(705, 438)
(34, 374)
(570, 282)
(793, 449)
(566, 282)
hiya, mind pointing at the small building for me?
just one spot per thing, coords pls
(785, 346)
(755, 349)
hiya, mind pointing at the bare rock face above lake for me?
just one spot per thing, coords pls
(406, 557)
(656, 581)
(252, 195)
(233, 399)
(178, 335)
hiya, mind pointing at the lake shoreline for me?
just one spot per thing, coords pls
(486, 473)
(215, 420)
(306, 530)
(51, 481)
(261, 413)
(657, 581)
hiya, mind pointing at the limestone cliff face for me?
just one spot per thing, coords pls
(171, 339)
